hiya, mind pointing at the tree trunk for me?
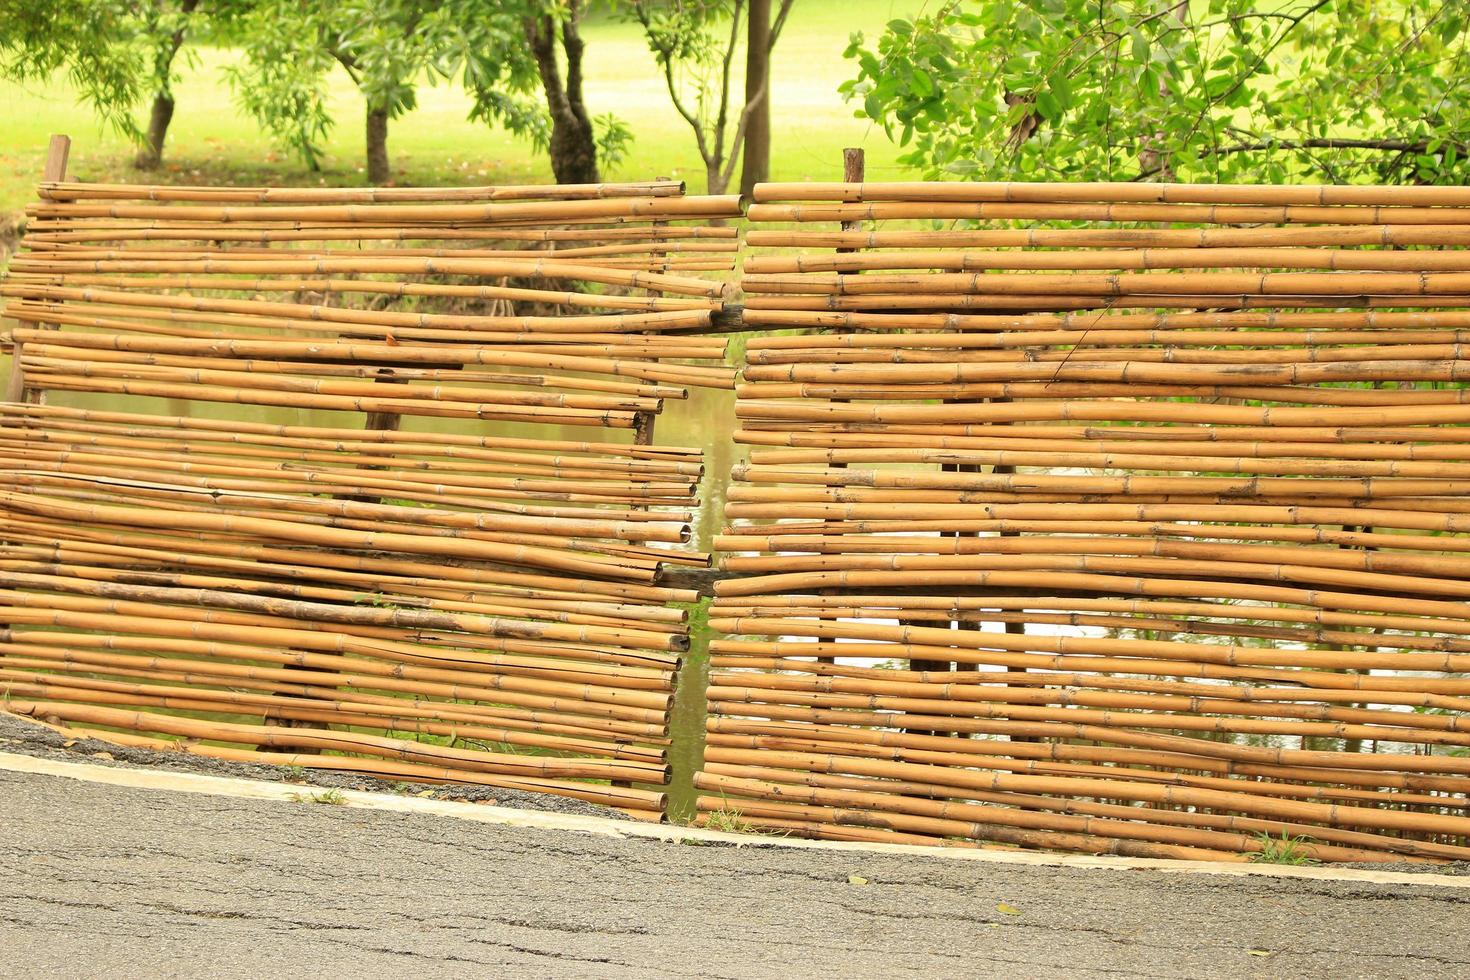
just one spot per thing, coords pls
(573, 144)
(714, 183)
(755, 165)
(378, 169)
(150, 154)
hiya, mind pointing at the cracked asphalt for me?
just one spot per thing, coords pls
(103, 881)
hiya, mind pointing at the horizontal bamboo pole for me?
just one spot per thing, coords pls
(892, 545)
(1124, 789)
(323, 612)
(1326, 236)
(407, 719)
(376, 287)
(372, 354)
(605, 525)
(1080, 411)
(852, 795)
(1170, 767)
(998, 826)
(301, 534)
(1219, 715)
(54, 652)
(82, 191)
(552, 212)
(1365, 846)
(482, 703)
(1118, 285)
(1093, 321)
(643, 804)
(392, 748)
(947, 484)
(410, 441)
(895, 310)
(1046, 390)
(295, 564)
(463, 323)
(1051, 453)
(531, 269)
(477, 454)
(972, 646)
(1120, 369)
(1160, 766)
(1225, 214)
(1337, 260)
(20, 560)
(1352, 767)
(548, 700)
(290, 376)
(1117, 191)
(73, 230)
(1317, 676)
(860, 606)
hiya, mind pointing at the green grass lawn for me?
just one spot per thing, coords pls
(212, 142)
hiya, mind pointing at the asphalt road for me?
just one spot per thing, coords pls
(103, 881)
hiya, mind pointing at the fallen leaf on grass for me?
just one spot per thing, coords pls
(1006, 908)
(856, 880)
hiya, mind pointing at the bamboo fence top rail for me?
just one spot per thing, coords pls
(1160, 576)
(81, 191)
(552, 212)
(1124, 191)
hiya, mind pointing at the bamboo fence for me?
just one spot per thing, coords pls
(432, 606)
(1144, 539)
(531, 286)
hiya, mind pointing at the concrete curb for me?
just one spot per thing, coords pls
(155, 779)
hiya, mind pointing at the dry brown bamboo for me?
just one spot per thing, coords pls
(81, 191)
(1135, 192)
(1198, 513)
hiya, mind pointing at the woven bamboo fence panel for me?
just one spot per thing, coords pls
(1104, 518)
(438, 606)
(303, 297)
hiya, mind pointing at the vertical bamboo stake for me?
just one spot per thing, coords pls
(54, 172)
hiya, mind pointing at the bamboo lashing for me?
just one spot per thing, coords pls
(1218, 473)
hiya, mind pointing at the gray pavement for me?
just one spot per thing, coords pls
(104, 881)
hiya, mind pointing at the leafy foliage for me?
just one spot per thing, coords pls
(1330, 90)
(388, 48)
(694, 43)
(115, 53)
